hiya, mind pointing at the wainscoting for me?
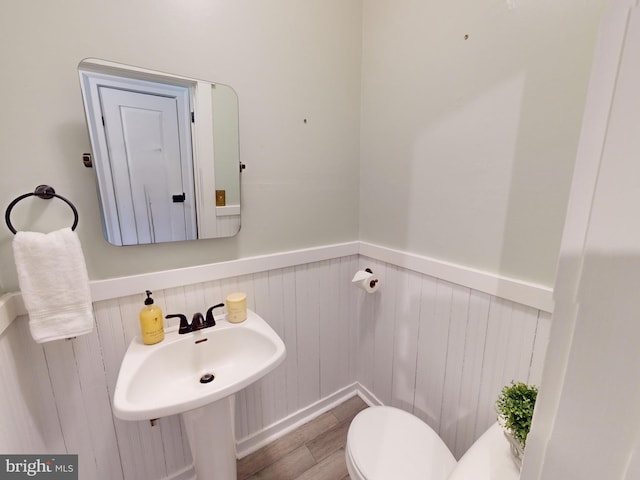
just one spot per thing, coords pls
(435, 348)
(443, 351)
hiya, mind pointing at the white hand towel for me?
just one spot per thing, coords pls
(54, 284)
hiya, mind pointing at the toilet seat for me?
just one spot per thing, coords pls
(386, 442)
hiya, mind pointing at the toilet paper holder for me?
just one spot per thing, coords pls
(366, 280)
(373, 282)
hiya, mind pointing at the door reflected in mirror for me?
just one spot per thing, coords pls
(166, 153)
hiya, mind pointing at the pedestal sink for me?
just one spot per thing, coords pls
(195, 375)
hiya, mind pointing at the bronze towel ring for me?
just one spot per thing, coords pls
(45, 192)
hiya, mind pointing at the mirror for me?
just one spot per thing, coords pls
(165, 151)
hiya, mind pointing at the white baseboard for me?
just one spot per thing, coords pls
(187, 473)
(254, 442)
(368, 397)
(258, 440)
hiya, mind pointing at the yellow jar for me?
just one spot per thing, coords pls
(236, 307)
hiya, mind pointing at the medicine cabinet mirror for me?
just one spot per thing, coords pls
(166, 153)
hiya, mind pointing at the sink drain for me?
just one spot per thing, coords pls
(207, 377)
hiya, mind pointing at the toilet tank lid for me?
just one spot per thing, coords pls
(386, 442)
(489, 458)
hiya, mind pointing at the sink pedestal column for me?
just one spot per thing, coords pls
(211, 438)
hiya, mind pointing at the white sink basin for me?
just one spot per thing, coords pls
(164, 379)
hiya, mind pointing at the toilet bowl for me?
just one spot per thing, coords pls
(386, 443)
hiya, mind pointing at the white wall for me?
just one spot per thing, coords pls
(587, 423)
(468, 145)
(287, 61)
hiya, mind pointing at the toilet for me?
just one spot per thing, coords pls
(386, 443)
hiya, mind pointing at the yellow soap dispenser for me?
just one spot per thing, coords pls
(151, 322)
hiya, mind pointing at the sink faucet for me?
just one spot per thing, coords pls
(198, 322)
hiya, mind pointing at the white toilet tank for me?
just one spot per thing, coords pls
(489, 458)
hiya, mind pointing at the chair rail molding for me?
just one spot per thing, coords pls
(525, 293)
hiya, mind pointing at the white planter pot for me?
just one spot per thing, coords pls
(517, 450)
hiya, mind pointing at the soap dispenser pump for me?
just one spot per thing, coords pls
(151, 322)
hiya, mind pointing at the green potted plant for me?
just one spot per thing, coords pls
(515, 410)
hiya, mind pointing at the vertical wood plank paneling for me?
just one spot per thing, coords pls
(366, 321)
(333, 329)
(432, 350)
(502, 357)
(459, 317)
(268, 385)
(28, 414)
(348, 267)
(174, 302)
(11, 399)
(291, 337)
(240, 406)
(173, 447)
(325, 327)
(341, 332)
(543, 330)
(148, 448)
(510, 344)
(274, 296)
(474, 345)
(130, 318)
(97, 405)
(307, 313)
(384, 335)
(253, 393)
(419, 343)
(468, 346)
(195, 300)
(493, 362)
(213, 292)
(407, 314)
(253, 412)
(523, 328)
(112, 339)
(442, 324)
(422, 406)
(61, 362)
(109, 324)
(246, 284)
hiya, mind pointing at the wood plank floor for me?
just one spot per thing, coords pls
(314, 451)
